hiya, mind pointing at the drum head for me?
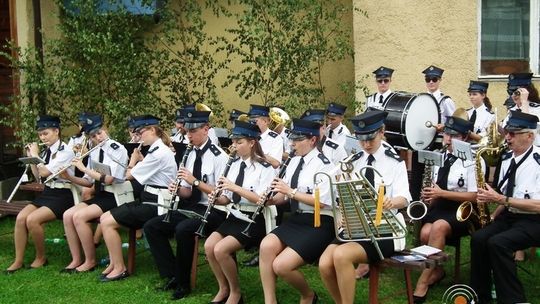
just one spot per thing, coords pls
(421, 109)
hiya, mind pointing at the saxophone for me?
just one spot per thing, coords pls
(417, 210)
(489, 150)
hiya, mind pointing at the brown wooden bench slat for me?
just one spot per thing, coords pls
(12, 208)
(35, 187)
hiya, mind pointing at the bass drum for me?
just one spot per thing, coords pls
(409, 120)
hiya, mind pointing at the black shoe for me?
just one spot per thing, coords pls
(12, 271)
(180, 293)
(119, 277)
(87, 270)
(68, 270)
(171, 284)
(253, 262)
(419, 299)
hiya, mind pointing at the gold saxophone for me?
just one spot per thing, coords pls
(491, 146)
(418, 209)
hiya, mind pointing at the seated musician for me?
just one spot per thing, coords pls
(455, 183)
(77, 219)
(153, 172)
(330, 148)
(337, 263)
(296, 241)
(204, 165)
(517, 226)
(480, 114)
(52, 202)
(271, 142)
(248, 178)
(180, 132)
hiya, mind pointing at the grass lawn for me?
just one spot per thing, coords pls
(47, 285)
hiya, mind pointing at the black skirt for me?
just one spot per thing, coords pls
(104, 200)
(446, 210)
(58, 200)
(134, 215)
(386, 247)
(234, 227)
(308, 241)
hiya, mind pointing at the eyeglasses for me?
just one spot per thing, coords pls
(431, 79)
(385, 80)
(512, 134)
(141, 131)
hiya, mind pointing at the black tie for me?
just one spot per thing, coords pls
(473, 117)
(47, 156)
(239, 181)
(294, 183)
(330, 133)
(380, 98)
(370, 175)
(442, 175)
(511, 178)
(519, 110)
(98, 186)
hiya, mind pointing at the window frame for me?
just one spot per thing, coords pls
(534, 43)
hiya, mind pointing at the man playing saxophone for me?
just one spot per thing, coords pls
(517, 226)
(455, 182)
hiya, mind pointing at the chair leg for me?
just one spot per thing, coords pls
(532, 253)
(408, 286)
(374, 270)
(457, 263)
(194, 263)
(132, 250)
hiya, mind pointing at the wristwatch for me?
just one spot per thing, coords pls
(196, 183)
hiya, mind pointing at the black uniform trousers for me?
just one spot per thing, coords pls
(492, 250)
(157, 234)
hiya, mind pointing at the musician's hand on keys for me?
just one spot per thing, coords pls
(489, 195)
(227, 184)
(432, 193)
(137, 155)
(184, 174)
(65, 175)
(33, 149)
(278, 185)
(77, 162)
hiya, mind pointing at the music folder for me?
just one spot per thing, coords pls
(101, 168)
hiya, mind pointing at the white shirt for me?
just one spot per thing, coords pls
(212, 135)
(392, 169)
(461, 177)
(534, 109)
(286, 142)
(61, 156)
(314, 162)
(257, 177)
(527, 182)
(180, 138)
(213, 164)
(333, 151)
(446, 105)
(114, 154)
(372, 101)
(338, 134)
(272, 144)
(484, 118)
(158, 167)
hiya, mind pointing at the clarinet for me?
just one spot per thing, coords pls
(268, 194)
(215, 194)
(175, 199)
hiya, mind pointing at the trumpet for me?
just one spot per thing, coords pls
(64, 168)
(268, 194)
(175, 199)
(216, 193)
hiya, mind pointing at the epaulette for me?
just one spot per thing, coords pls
(489, 111)
(506, 155)
(340, 130)
(370, 96)
(537, 157)
(391, 154)
(273, 134)
(115, 146)
(534, 104)
(287, 131)
(357, 156)
(444, 97)
(265, 164)
(214, 150)
(61, 148)
(153, 149)
(331, 144)
(325, 160)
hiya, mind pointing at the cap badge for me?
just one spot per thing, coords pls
(451, 120)
(89, 121)
(361, 124)
(431, 68)
(189, 114)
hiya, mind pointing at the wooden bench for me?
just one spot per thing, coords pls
(375, 269)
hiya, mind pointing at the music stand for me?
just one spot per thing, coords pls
(27, 161)
(462, 150)
(430, 158)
